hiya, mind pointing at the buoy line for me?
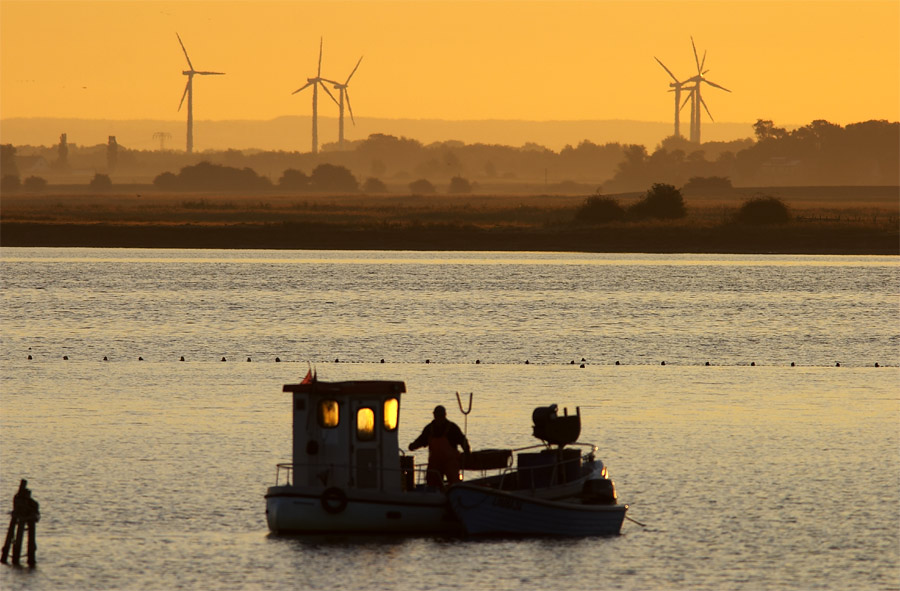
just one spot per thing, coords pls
(579, 364)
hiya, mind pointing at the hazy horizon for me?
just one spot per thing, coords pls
(535, 61)
(292, 132)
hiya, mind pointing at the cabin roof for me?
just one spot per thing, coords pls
(376, 387)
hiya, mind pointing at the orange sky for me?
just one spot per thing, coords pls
(791, 61)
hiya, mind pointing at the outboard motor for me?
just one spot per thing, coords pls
(600, 491)
(554, 429)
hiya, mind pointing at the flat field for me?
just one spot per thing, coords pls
(834, 220)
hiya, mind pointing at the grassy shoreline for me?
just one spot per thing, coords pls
(819, 238)
(829, 220)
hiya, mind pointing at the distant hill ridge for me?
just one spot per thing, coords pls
(293, 133)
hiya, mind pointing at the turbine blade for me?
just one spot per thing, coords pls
(716, 85)
(320, 57)
(186, 87)
(703, 102)
(689, 97)
(664, 68)
(303, 87)
(703, 61)
(353, 72)
(210, 73)
(696, 59)
(185, 51)
(349, 108)
(325, 88)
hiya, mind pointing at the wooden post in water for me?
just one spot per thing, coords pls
(10, 535)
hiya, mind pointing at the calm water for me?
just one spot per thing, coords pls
(151, 473)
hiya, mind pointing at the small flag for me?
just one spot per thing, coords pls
(309, 377)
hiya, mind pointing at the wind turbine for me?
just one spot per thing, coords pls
(696, 98)
(345, 93)
(677, 87)
(189, 93)
(315, 83)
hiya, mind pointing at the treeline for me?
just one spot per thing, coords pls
(820, 153)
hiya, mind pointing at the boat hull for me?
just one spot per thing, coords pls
(485, 511)
(295, 510)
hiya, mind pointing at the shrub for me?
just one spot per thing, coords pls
(333, 179)
(421, 187)
(598, 209)
(763, 211)
(373, 185)
(662, 202)
(294, 180)
(166, 181)
(100, 182)
(459, 185)
(35, 184)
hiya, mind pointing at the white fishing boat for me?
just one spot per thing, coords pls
(349, 473)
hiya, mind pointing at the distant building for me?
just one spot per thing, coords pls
(32, 166)
(781, 170)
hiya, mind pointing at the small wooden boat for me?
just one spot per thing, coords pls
(486, 511)
(556, 491)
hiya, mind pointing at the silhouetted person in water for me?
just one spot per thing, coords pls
(25, 514)
(442, 438)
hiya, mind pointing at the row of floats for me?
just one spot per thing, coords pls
(582, 364)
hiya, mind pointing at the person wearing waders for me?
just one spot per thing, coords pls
(442, 438)
(25, 514)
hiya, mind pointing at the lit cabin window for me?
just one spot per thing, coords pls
(391, 408)
(365, 424)
(329, 414)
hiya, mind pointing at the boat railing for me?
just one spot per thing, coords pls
(414, 476)
(411, 476)
(288, 470)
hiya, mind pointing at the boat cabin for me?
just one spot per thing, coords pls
(345, 434)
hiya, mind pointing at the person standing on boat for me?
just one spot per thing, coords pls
(442, 438)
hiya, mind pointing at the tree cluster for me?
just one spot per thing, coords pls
(665, 202)
(660, 202)
(206, 176)
(325, 178)
(822, 153)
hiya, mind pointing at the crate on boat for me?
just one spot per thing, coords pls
(487, 459)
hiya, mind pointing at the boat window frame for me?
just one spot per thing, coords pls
(393, 413)
(323, 416)
(372, 433)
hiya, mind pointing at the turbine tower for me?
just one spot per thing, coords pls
(344, 94)
(315, 83)
(189, 93)
(696, 98)
(677, 87)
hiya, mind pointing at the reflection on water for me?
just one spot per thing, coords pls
(459, 308)
(150, 474)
